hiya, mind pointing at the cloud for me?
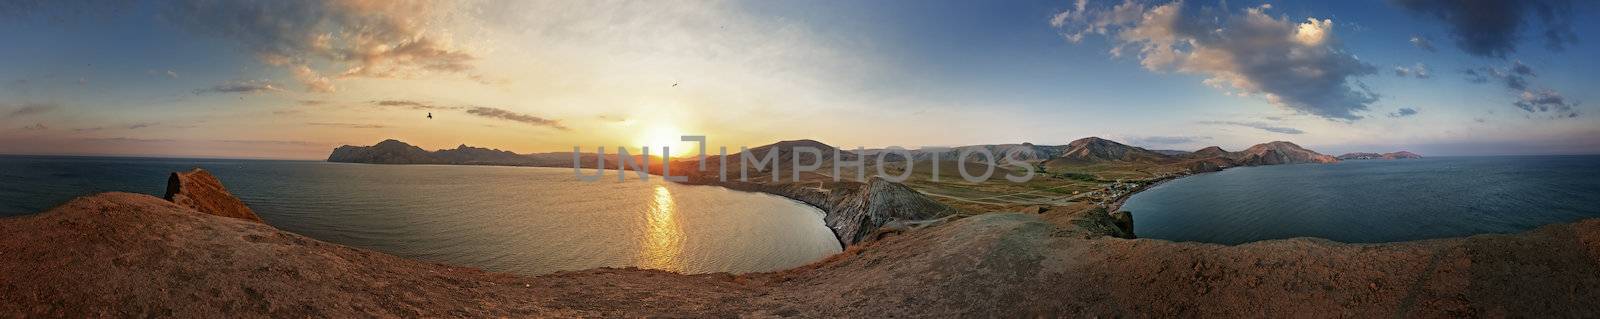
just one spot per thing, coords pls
(1419, 71)
(352, 38)
(36, 127)
(27, 109)
(347, 125)
(1403, 112)
(1493, 28)
(1166, 140)
(1423, 43)
(415, 105)
(241, 87)
(1294, 65)
(1515, 78)
(490, 112)
(1258, 125)
(1545, 101)
(133, 126)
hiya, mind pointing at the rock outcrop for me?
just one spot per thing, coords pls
(199, 190)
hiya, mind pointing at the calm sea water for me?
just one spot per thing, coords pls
(514, 219)
(1372, 201)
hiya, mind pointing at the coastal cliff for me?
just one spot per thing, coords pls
(132, 255)
(852, 209)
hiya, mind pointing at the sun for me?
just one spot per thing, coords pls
(664, 135)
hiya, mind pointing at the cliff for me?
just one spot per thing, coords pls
(852, 209)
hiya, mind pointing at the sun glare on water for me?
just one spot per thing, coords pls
(663, 240)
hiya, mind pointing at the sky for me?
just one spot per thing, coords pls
(293, 79)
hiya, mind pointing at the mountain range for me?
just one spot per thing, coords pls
(1090, 151)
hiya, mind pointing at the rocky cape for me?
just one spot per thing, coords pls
(133, 255)
(1384, 156)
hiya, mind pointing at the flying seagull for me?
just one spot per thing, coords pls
(674, 85)
(430, 115)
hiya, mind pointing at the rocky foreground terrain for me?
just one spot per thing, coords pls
(126, 255)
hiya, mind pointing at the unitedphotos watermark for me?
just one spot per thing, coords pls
(748, 160)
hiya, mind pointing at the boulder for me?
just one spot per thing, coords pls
(199, 190)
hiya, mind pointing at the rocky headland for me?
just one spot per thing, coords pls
(127, 255)
(1383, 156)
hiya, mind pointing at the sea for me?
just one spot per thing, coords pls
(523, 220)
(1371, 201)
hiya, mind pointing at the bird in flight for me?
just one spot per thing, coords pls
(674, 85)
(430, 115)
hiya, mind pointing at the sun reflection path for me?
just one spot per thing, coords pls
(663, 240)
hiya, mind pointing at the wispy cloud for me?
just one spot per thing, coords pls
(132, 126)
(27, 109)
(415, 105)
(241, 87)
(1165, 140)
(1294, 65)
(1403, 112)
(1258, 125)
(347, 125)
(1423, 43)
(1419, 71)
(496, 113)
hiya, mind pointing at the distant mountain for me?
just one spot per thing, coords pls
(1360, 156)
(397, 152)
(1025, 152)
(1172, 152)
(1401, 155)
(1095, 149)
(1384, 156)
(1090, 154)
(1279, 152)
(785, 158)
(385, 152)
(1209, 152)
